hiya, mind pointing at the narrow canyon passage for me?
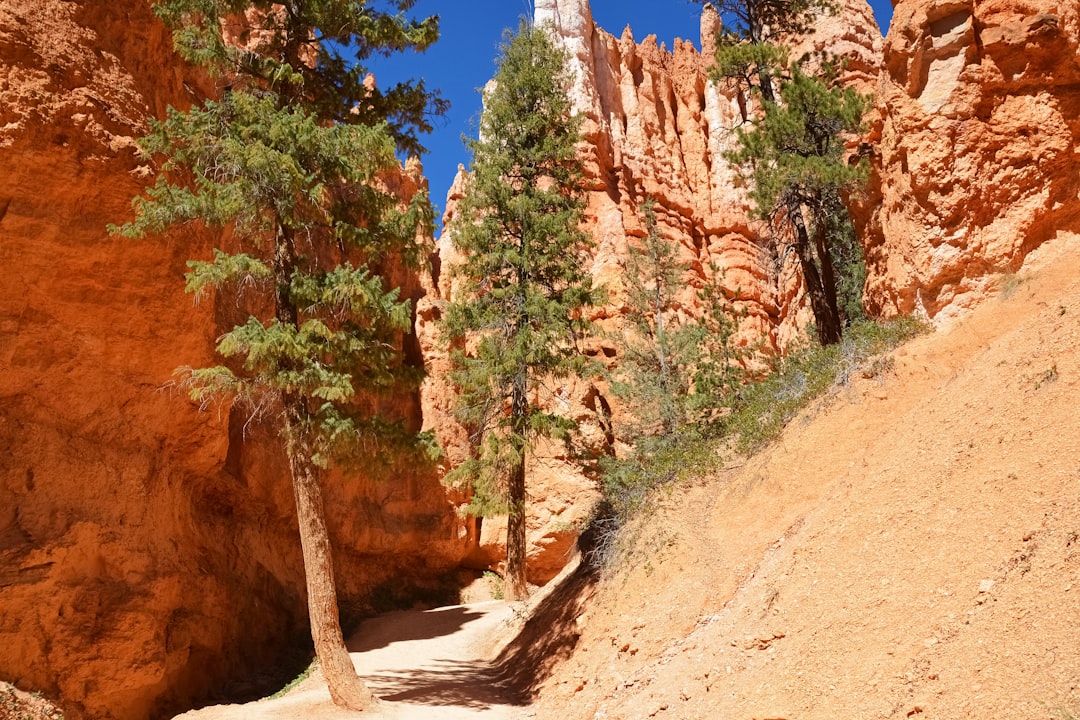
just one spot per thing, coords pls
(422, 664)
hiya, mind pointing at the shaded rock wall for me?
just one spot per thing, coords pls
(148, 551)
(978, 148)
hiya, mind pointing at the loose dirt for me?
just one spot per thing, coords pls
(910, 548)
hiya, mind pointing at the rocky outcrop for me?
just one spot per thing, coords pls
(148, 552)
(654, 127)
(978, 148)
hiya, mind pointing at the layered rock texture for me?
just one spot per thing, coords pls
(148, 555)
(148, 551)
(654, 128)
(972, 139)
(978, 148)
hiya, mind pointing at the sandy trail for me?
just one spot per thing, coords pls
(432, 664)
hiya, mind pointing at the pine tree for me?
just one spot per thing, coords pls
(289, 161)
(794, 156)
(748, 49)
(654, 374)
(677, 375)
(798, 148)
(524, 283)
(674, 373)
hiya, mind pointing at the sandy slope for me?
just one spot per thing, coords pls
(910, 548)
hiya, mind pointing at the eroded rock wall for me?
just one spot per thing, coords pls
(148, 551)
(654, 127)
(978, 148)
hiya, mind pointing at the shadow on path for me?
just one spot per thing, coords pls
(407, 625)
(549, 636)
(474, 685)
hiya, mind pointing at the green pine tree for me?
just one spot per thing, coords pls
(289, 161)
(654, 372)
(524, 282)
(675, 374)
(793, 159)
(792, 154)
(749, 50)
(678, 376)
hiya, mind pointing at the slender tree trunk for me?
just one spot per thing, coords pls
(828, 275)
(516, 585)
(825, 316)
(346, 688)
(667, 415)
(757, 37)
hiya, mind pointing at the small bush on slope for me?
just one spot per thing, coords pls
(763, 408)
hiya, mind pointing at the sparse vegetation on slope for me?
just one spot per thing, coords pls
(754, 415)
(18, 705)
(763, 408)
(909, 550)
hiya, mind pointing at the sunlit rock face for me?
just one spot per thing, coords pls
(149, 557)
(654, 128)
(978, 148)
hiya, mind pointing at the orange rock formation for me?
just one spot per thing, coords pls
(148, 551)
(977, 151)
(655, 127)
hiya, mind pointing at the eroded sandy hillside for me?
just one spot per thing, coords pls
(909, 549)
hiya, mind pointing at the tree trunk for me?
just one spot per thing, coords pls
(826, 317)
(346, 688)
(515, 584)
(828, 275)
(757, 37)
(667, 414)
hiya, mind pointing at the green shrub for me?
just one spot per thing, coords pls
(763, 408)
(304, 675)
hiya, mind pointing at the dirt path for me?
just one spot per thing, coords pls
(423, 665)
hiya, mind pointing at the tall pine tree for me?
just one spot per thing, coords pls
(289, 161)
(793, 152)
(793, 158)
(655, 371)
(523, 280)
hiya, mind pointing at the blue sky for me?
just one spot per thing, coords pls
(464, 59)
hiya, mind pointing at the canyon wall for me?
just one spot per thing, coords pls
(654, 128)
(148, 552)
(148, 555)
(978, 149)
(971, 140)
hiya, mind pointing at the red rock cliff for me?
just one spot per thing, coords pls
(978, 148)
(148, 552)
(655, 127)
